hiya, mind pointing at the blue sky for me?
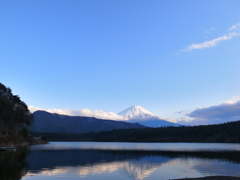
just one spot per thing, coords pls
(170, 57)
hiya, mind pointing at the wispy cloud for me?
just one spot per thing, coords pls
(234, 27)
(209, 30)
(212, 43)
(83, 112)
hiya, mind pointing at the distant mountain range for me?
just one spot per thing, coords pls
(137, 114)
(137, 117)
(48, 122)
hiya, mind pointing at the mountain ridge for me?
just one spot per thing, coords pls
(52, 122)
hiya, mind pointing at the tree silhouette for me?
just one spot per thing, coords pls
(14, 114)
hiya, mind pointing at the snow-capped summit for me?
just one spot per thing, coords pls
(137, 113)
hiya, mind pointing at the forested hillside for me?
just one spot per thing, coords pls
(227, 132)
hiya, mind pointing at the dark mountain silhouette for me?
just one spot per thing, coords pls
(48, 122)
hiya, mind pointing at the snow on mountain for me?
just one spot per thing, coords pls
(137, 113)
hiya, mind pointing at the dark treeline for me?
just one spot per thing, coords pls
(15, 118)
(226, 132)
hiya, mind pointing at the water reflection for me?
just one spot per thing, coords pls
(132, 170)
(92, 162)
(13, 164)
(134, 165)
(95, 164)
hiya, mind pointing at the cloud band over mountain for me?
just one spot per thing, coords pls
(83, 112)
(224, 112)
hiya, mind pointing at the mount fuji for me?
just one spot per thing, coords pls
(138, 114)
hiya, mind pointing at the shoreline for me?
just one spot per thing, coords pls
(14, 147)
(212, 178)
(8, 142)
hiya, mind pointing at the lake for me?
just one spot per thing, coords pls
(128, 161)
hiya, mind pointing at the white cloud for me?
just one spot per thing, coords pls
(169, 119)
(235, 26)
(83, 112)
(33, 108)
(224, 112)
(212, 43)
(209, 30)
(101, 114)
(233, 100)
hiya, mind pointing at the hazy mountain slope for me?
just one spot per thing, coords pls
(138, 114)
(48, 122)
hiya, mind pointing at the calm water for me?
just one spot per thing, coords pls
(128, 161)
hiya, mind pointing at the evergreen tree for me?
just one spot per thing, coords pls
(14, 114)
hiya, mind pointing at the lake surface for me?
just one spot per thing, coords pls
(128, 161)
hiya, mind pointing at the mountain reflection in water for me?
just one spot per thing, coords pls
(88, 162)
(39, 164)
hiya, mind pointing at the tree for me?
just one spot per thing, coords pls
(14, 113)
